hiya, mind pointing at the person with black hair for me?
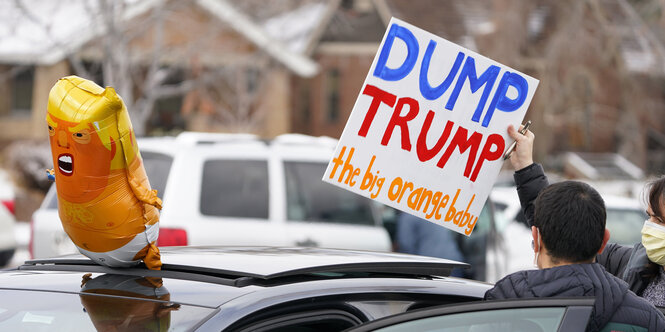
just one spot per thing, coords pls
(567, 221)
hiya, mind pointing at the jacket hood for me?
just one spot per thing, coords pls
(567, 281)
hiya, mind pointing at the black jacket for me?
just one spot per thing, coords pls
(628, 263)
(614, 304)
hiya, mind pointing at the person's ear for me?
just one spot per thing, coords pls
(535, 243)
(606, 237)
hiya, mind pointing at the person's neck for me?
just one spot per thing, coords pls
(546, 261)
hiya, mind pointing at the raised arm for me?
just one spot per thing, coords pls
(531, 179)
(529, 176)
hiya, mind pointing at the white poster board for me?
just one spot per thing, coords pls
(428, 131)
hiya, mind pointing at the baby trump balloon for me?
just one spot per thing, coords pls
(105, 201)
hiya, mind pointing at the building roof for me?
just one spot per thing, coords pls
(45, 32)
(351, 25)
(455, 21)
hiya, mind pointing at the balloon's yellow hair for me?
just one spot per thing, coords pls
(79, 100)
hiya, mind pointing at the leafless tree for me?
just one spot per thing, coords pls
(148, 56)
(587, 97)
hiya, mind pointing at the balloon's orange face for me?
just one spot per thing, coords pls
(82, 163)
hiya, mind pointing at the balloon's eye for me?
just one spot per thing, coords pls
(82, 136)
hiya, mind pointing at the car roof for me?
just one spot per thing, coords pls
(509, 196)
(246, 146)
(163, 144)
(272, 262)
(211, 276)
(622, 202)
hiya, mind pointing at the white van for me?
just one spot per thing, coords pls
(236, 189)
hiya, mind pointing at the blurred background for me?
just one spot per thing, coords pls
(296, 66)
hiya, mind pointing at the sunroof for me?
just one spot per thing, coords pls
(232, 263)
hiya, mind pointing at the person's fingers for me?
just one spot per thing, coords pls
(529, 134)
(513, 133)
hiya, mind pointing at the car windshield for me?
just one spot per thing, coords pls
(310, 199)
(625, 225)
(51, 311)
(157, 166)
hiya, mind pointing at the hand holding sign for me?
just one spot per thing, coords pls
(428, 130)
(522, 156)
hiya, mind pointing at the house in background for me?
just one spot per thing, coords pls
(218, 68)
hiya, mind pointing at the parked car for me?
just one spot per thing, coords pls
(7, 237)
(7, 219)
(236, 189)
(228, 289)
(7, 194)
(625, 218)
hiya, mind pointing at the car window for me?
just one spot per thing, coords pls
(484, 223)
(325, 320)
(504, 320)
(310, 199)
(235, 188)
(474, 247)
(157, 167)
(625, 225)
(47, 311)
(500, 207)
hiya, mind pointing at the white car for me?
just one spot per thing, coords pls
(625, 217)
(7, 220)
(512, 251)
(236, 189)
(7, 237)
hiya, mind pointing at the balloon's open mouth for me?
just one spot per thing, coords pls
(66, 164)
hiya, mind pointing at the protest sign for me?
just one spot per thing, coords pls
(429, 128)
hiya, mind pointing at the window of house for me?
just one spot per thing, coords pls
(94, 71)
(21, 91)
(252, 76)
(167, 115)
(332, 95)
(303, 105)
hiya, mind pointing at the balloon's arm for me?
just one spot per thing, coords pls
(144, 194)
(50, 174)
